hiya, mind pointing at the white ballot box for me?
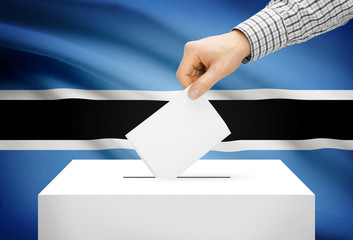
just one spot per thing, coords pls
(212, 200)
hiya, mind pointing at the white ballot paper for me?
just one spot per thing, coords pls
(178, 134)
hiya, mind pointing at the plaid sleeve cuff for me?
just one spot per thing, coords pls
(265, 31)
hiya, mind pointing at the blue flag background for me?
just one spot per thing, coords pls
(137, 45)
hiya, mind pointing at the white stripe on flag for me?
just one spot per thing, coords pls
(251, 94)
(231, 146)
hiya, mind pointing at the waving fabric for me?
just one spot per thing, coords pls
(77, 75)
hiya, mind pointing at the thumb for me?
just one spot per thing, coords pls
(204, 83)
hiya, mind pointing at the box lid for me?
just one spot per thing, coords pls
(205, 177)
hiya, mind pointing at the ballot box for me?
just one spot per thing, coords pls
(213, 199)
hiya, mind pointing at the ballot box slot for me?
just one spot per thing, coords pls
(179, 177)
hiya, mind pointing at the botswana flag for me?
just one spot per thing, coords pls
(77, 75)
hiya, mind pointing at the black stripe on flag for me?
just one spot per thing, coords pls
(79, 119)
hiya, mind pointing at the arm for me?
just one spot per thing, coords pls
(281, 23)
(284, 23)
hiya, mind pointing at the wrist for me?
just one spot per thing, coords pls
(240, 43)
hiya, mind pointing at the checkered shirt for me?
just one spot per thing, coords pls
(286, 22)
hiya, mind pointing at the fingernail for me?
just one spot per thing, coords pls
(194, 93)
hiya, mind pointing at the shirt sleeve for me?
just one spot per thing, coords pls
(286, 22)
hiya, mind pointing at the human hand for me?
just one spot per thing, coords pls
(208, 60)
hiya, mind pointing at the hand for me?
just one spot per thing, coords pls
(208, 60)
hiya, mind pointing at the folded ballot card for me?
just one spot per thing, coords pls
(178, 134)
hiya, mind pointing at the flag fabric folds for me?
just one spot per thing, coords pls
(77, 75)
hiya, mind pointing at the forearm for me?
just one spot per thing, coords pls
(283, 23)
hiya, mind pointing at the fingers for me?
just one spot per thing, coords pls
(208, 60)
(205, 82)
(193, 70)
(186, 70)
(184, 73)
